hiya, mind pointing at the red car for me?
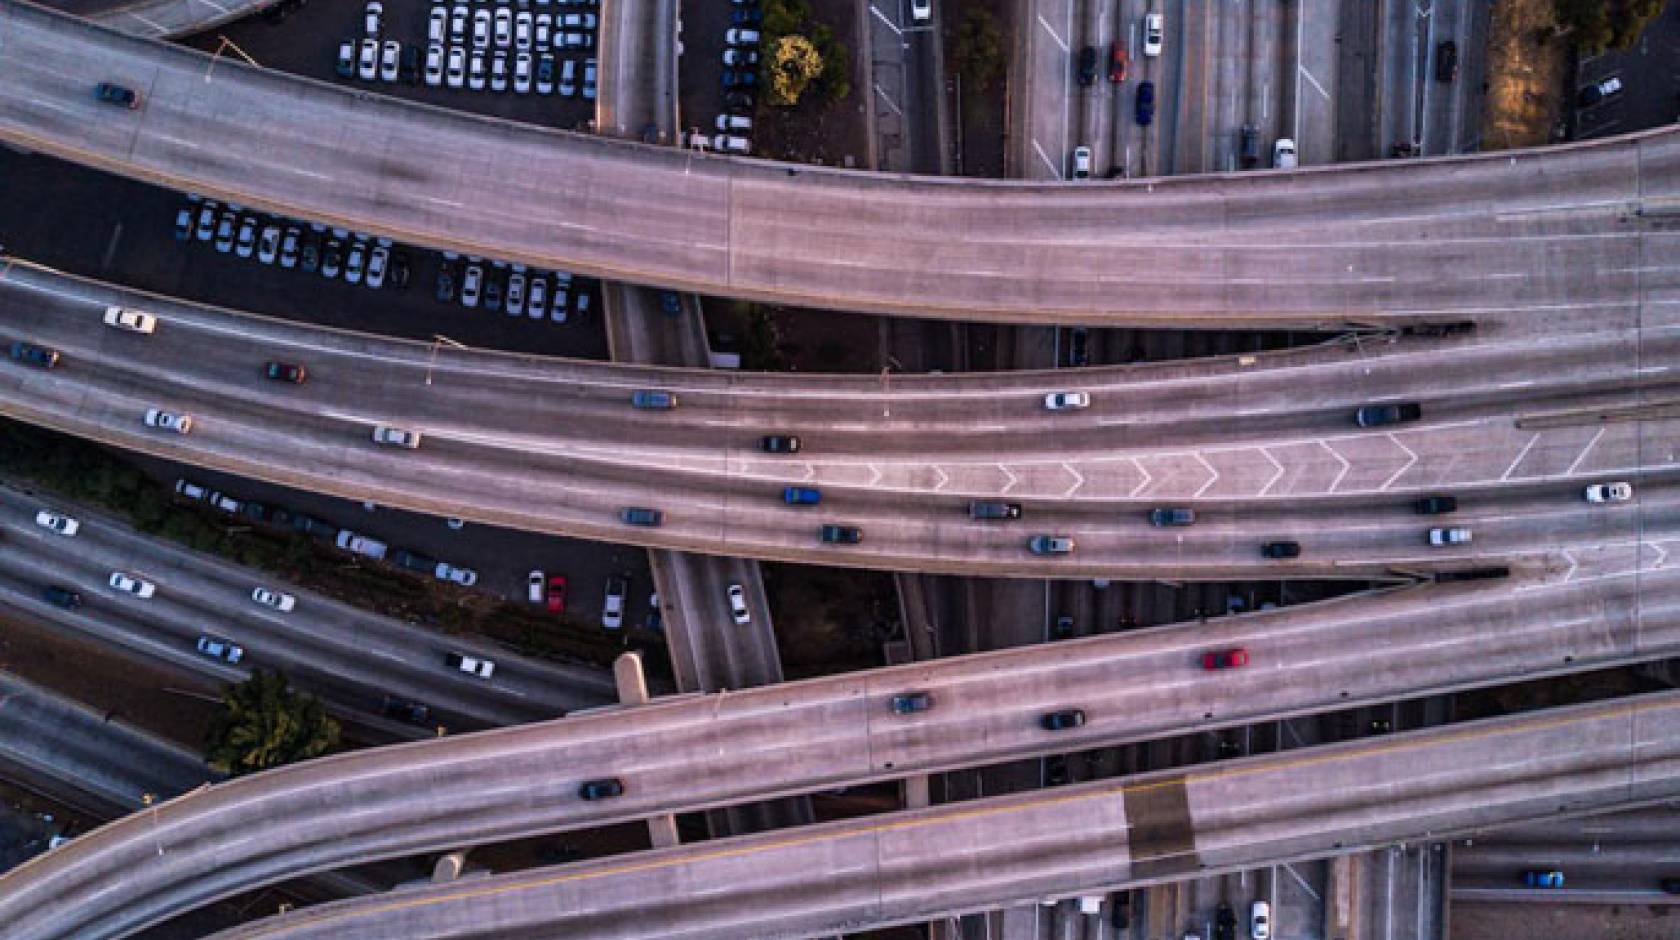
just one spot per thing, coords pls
(557, 594)
(1225, 659)
(1117, 62)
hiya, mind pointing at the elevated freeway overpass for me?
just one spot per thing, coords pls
(1399, 241)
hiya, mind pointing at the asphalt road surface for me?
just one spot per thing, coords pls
(1091, 838)
(1372, 242)
(348, 657)
(701, 752)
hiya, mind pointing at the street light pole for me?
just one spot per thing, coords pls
(437, 340)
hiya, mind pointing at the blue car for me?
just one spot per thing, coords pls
(1543, 879)
(1145, 103)
(801, 496)
(34, 355)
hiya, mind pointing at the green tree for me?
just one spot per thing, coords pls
(264, 724)
(979, 50)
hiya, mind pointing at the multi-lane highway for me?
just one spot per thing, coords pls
(1084, 839)
(349, 657)
(700, 752)
(1263, 448)
(1395, 241)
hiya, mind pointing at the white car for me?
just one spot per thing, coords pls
(268, 246)
(388, 61)
(245, 244)
(457, 76)
(612, 609)
(367, 67)
(921, 10)
(168, 421)
(1154, 33)
(535, 583)
(504, 27)
(225, 503)
(1067, 401)
(1283, 154)
(62, 524)
(374, 16)
(276, 599)
(458, 24)
(475, 72)
(396, 437)
(1082, 162)
(471, 284)
(514, 300)
(499, 72)
(542, 26)
(434, 65)
(480, 28)
(471, 665)
(1609, 492)
(135, 321)
(354, 261)
(190, 490)
(522, 73)
(1453, 536)
(522, 27)
(1260, 921)
(738, 604)
(536, 305)
(361, 544)
(466, 577)
(378, 260)
(437, 26)
(128, 583)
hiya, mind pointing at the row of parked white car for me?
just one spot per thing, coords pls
(293, 243)
(511, 288)
(498, 50)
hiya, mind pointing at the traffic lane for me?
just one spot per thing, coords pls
(1051, 58)
(582, 496)
(718, 653)
(925, 864)
(826, 732)
(375, 374)
(325, 637)
(1062, 281)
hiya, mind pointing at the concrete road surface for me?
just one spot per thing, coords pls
(1374, 242)
(700, 752)
(1262, 447)
(1091, 838)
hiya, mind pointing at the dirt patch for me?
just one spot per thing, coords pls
(977, 38)
(772, 338)
(1528, 65)
(830, 620)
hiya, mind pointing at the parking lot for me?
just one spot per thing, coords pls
(1644, 83)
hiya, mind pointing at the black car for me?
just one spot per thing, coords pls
(408, 68)
(1062, 720)
(414, 561)
(1670, 885)
(987, 509)
(1281, 550)
(1174, 516)
(601, 789)
(840, 534)
(1446, 61)
(400, 269)
(909, 703)
(1435, 505)
(445, 285)
(779, 444)
(739, 79)
(736, 102)
(285, 372)
(636, 515)
(309, 525)
(309, 254)
(1375, 416)
(1088, 65)
(112, 93)
(1055, 770)
(492, 292)
(404, 710)
(1063, 629)
(1225, 923)
(62, 596)
(332, 258)
(256, 512)
(34, 355)
(746, 16)
(1146, 103)
(1079, 347)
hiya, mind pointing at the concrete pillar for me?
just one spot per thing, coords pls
(449, 867)
(633, 690)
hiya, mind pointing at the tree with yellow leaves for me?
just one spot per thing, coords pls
(794, 64)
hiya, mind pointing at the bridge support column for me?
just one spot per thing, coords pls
(633, 690)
